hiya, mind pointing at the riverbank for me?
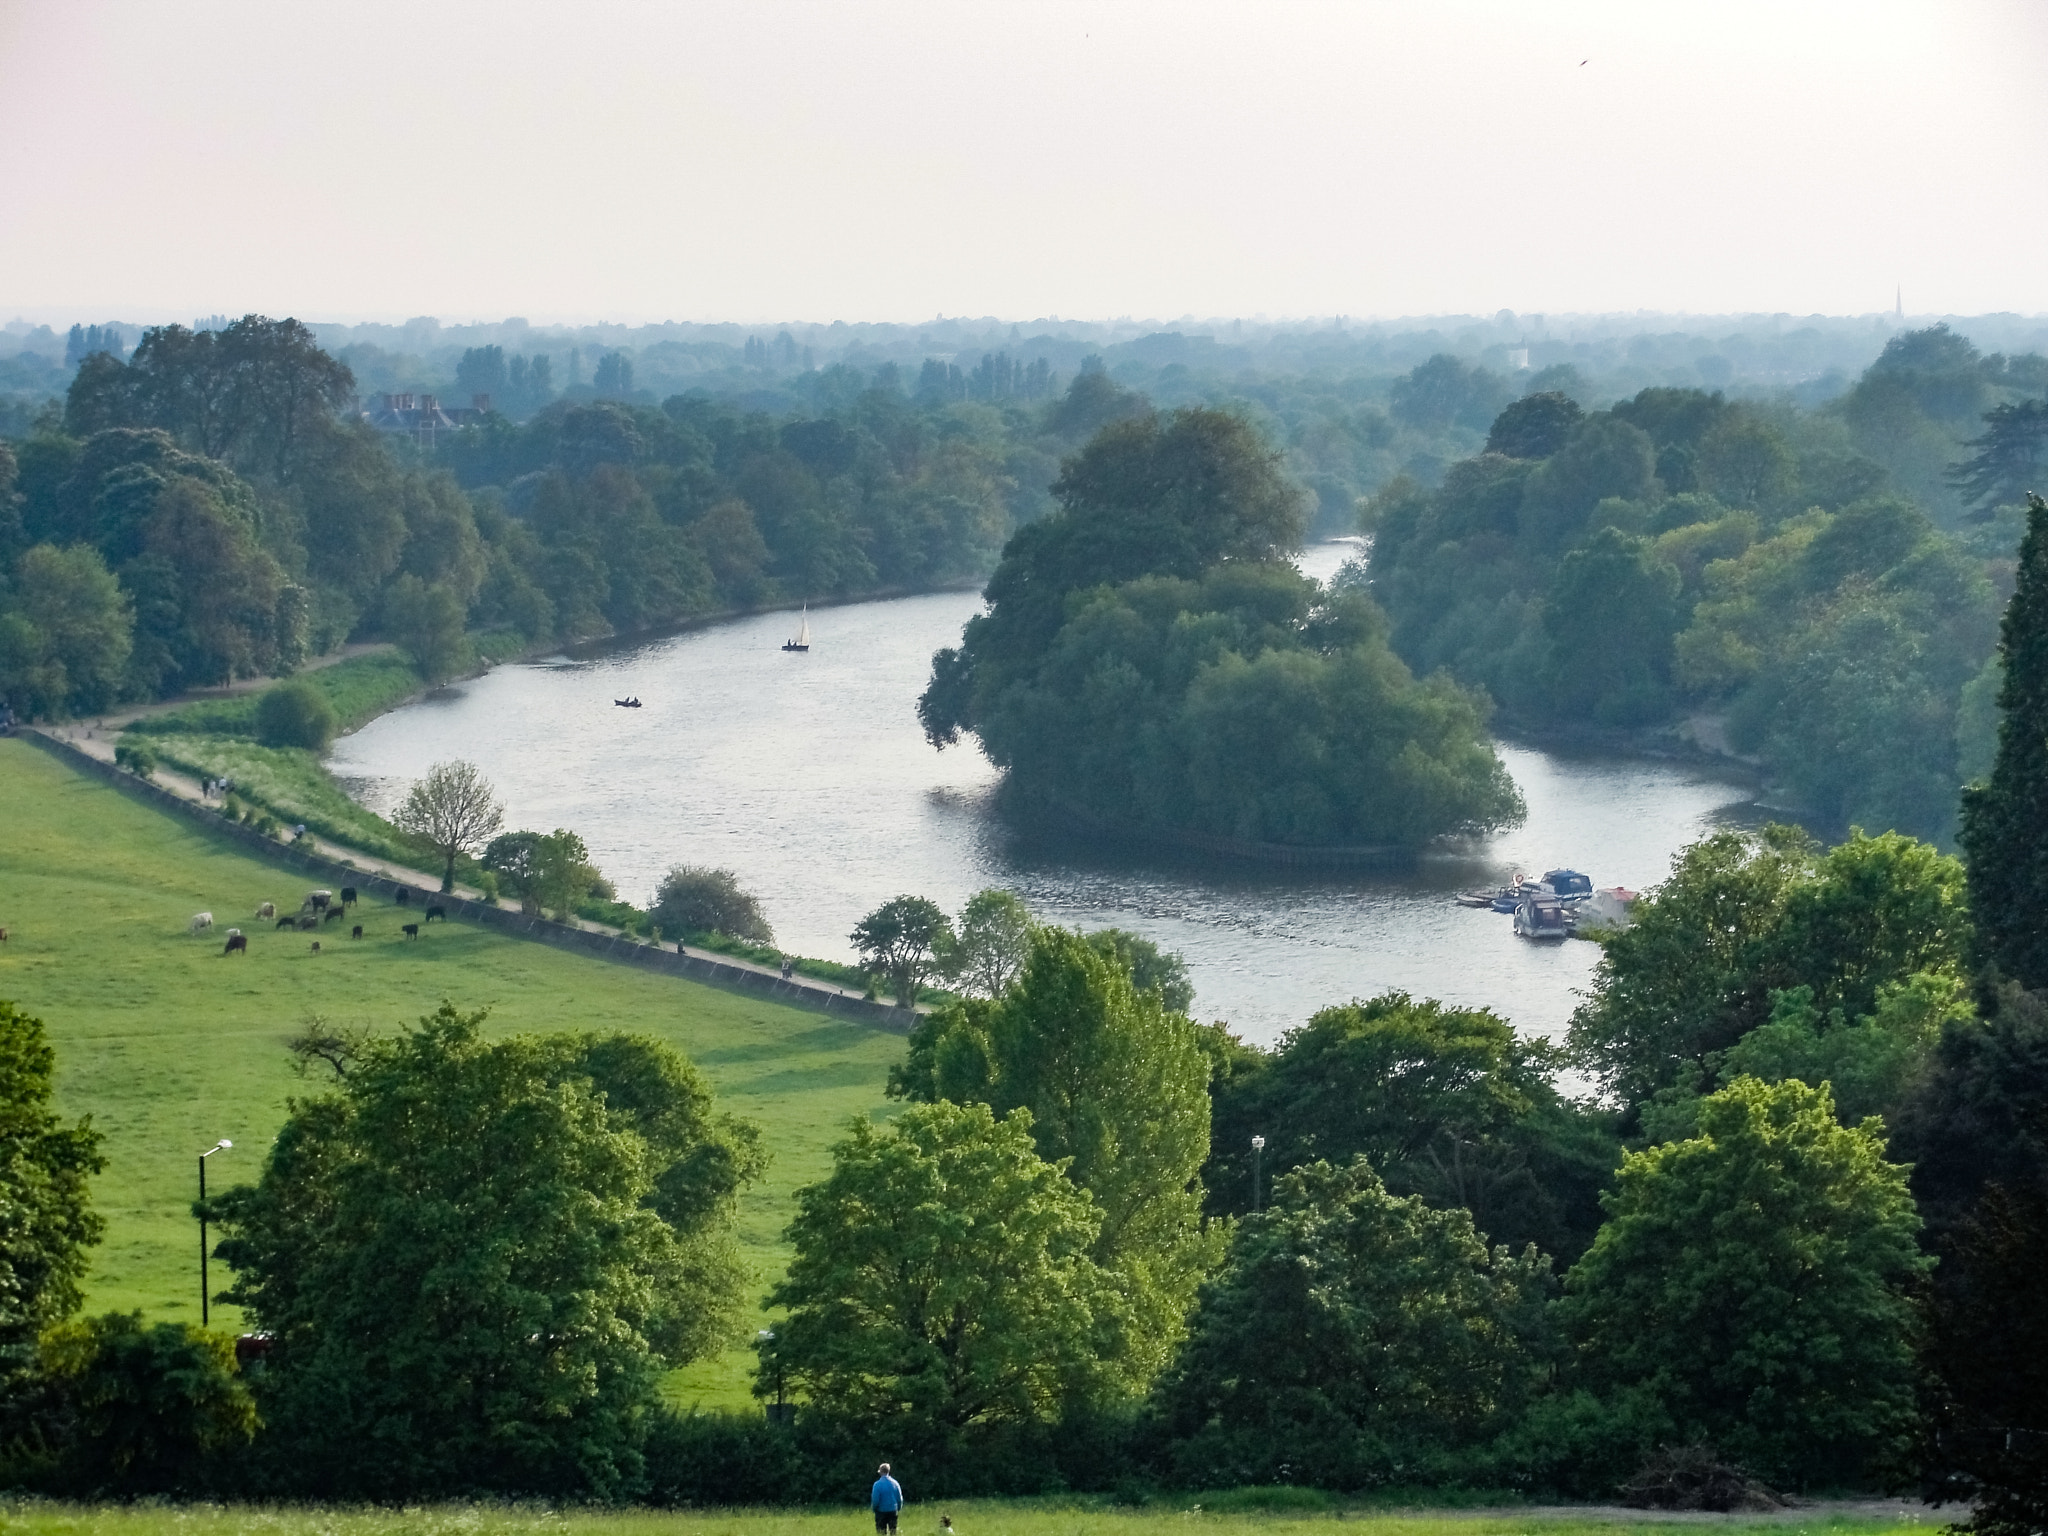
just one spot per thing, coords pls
(342, 865)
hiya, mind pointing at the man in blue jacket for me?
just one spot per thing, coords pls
(887, 1499)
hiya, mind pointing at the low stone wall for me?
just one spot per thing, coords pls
(794, 993)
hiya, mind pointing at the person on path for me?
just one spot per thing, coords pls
(887, 1498)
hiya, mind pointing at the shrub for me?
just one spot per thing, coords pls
(137, 758)
(295, 714)
(142, 1409)
(696, 899)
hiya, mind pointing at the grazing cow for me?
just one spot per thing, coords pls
(202, 921)
(289, 920)
(237, 945)
(356, 932)
(437, 910)
(3, 935)
(308, 921)
(316, 946)
(411, 930)
(318, 900)
(404, 896)
(268, 909)
(333, 913)
(348, 895)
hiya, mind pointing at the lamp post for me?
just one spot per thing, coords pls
(780, 1413)
(1258, 1148)
(205, 1315)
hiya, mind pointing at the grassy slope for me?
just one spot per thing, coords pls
(975, 1518)
(169, 1046)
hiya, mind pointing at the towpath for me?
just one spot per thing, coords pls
(96, 739)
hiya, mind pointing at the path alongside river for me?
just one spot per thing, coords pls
(808, 775)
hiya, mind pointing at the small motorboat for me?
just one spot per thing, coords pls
(627, 703)
(1541, 917)
(802, 642)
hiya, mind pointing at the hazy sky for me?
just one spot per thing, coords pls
(894, 161)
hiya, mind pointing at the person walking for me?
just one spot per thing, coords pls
(887, 1498)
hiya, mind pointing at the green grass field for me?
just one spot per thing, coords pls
(169, 1046)
(1217, 1514)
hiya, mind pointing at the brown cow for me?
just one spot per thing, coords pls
(316, 946)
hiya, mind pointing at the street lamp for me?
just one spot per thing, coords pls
(779, 1413)
(1258, 1147)
(205, 1316)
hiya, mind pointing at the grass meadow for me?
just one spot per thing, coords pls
(1247, 1510)
(170, 1047)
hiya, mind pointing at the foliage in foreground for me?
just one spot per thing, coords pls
(476, 1256)
(1355, 1339)
(1752, 1289)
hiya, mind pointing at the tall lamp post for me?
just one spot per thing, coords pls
(1258, 1149)
(205, 1316)
(780, 1413)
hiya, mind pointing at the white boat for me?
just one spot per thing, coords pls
(1541, 917)
(802, 642)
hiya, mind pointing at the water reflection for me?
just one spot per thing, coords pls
(808, 775)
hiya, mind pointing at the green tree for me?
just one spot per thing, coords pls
(2005, 819)
(140, 1408)
(1163, 972)
(1745, 461)
(1612, 613)
(994, 941)
(453, 810)
(905, 939)
(295, 714)
(1117, 1088)
(476, 1258)
(563, 876)
(46, 1218)
(1354, 1339)
(66, 630)
(942, 1275)
(1535, 426)
(2011, 458)
(1753, 1282)
(1446, 1103)
(1683, 979)
(697, 899)
(426, 621)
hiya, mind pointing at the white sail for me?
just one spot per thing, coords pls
(803, 629)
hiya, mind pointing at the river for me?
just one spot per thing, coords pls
(809, 776)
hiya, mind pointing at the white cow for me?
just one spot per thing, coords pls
(268, 909)
(201, 921)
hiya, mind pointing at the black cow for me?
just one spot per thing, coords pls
(411, 930)
(238, 944)
(348, 895)
(404, 897)
(290, 920)
(356, 932)
(437, 911)
(332, 914)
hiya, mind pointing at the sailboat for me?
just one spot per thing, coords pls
(802, 642)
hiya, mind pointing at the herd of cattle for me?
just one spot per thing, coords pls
(318, 909)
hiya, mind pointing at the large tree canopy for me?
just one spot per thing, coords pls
(1355, 1339)
(942, 1280)
(2005, 819)
(477, 1257)
(1148, 664)
(1117, 1088)
(46, 1219)
(1751, 1288)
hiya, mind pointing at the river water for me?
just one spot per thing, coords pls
(809, 776)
